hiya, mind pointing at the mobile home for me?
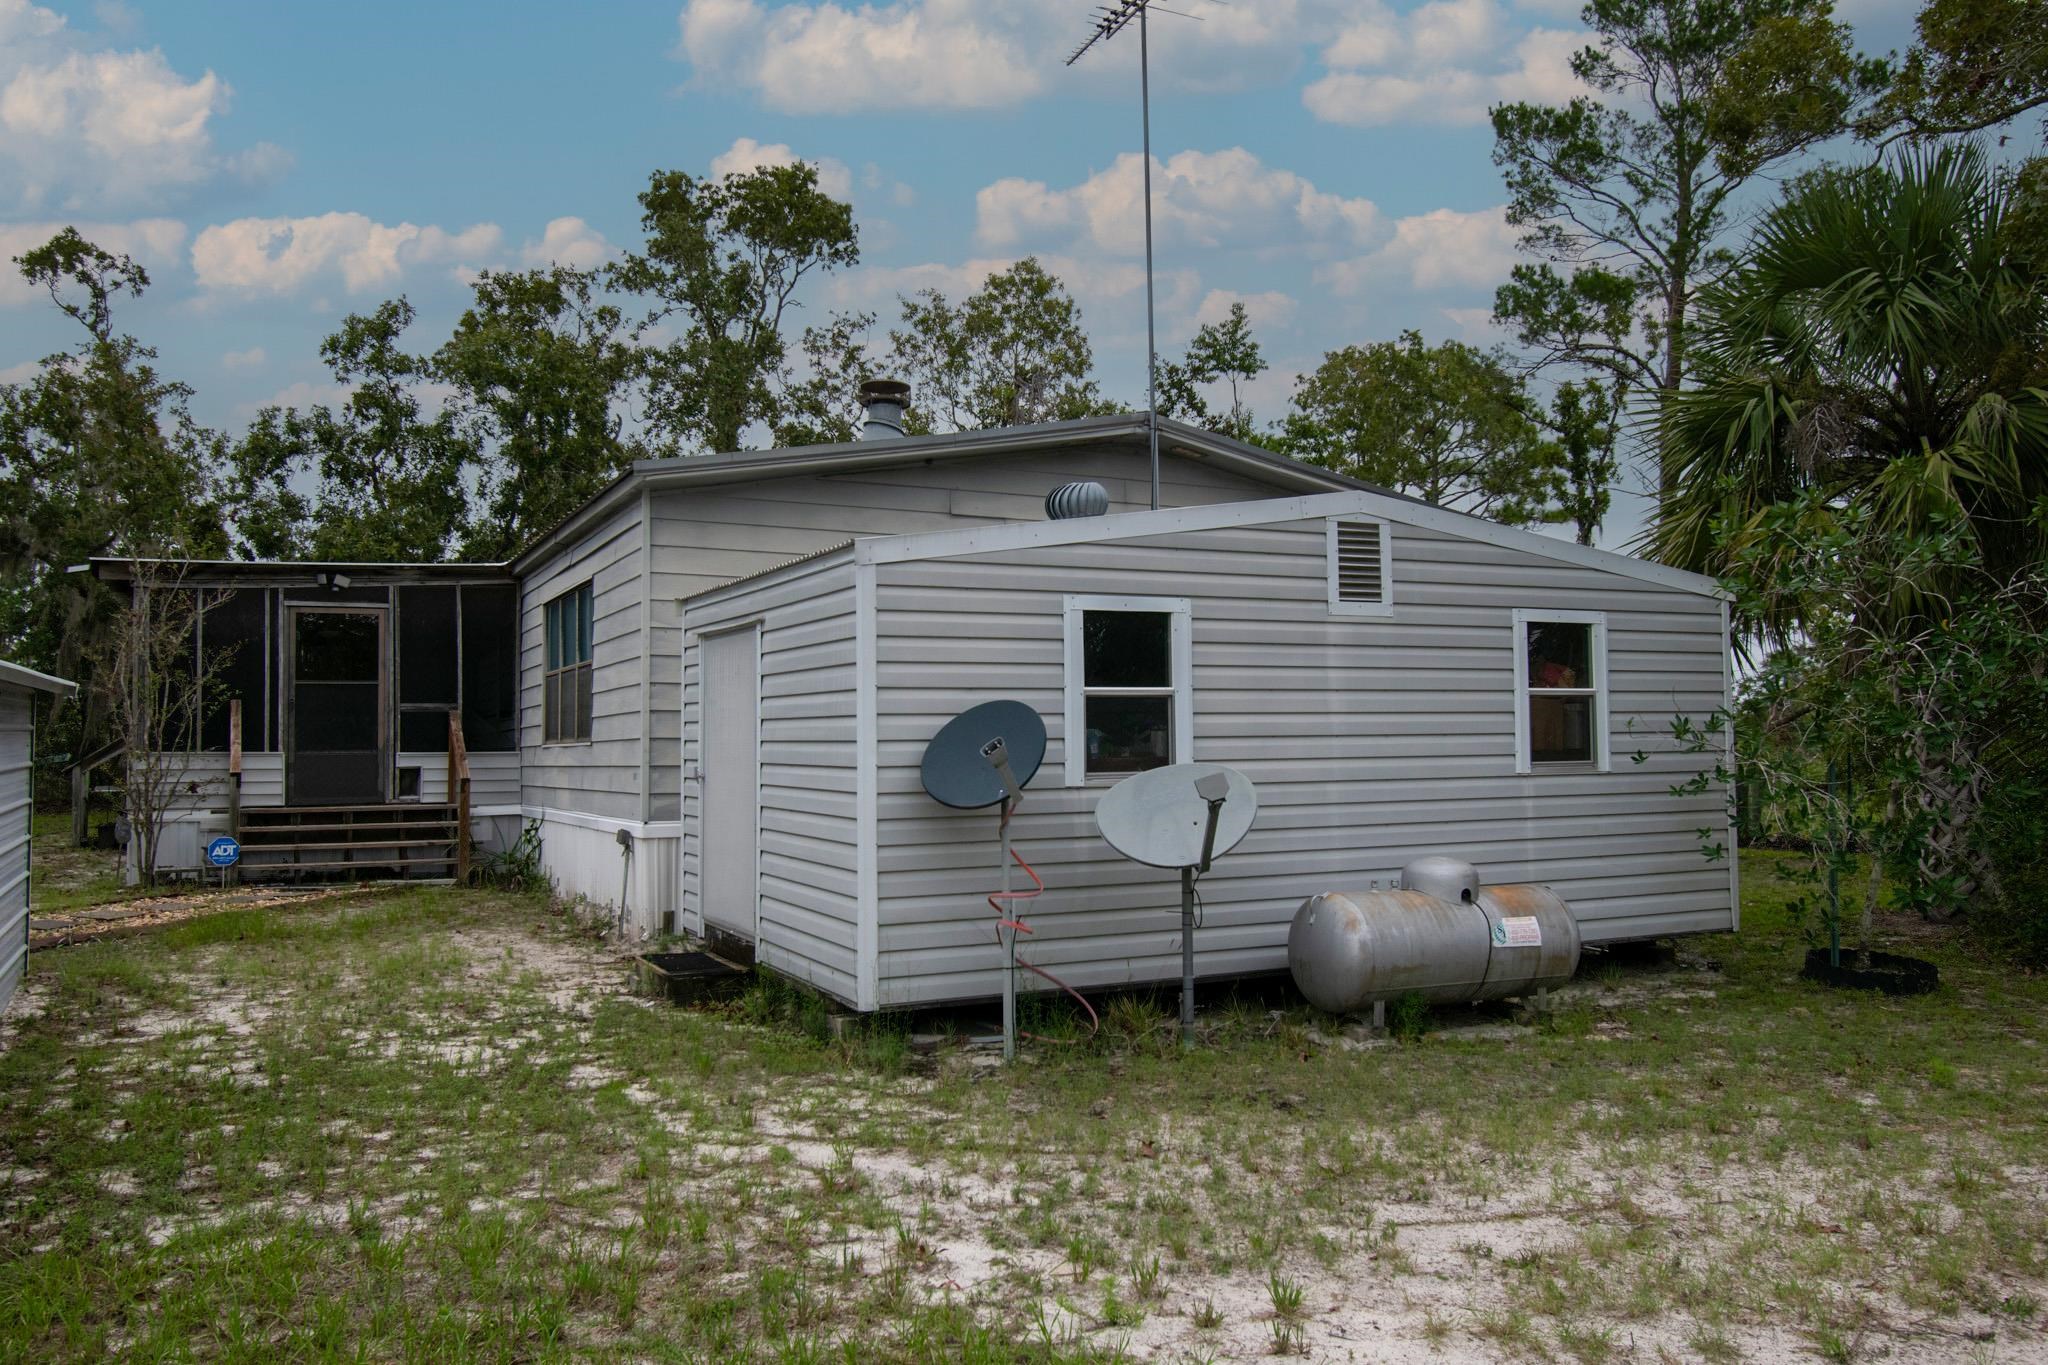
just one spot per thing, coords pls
(718, 675)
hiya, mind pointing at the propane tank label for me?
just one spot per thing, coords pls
(1517, 931)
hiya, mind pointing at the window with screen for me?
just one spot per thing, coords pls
(1561, 667)
(233, 637)
(1127, 686)
(428, 666)
(490, 667)
(565, 701)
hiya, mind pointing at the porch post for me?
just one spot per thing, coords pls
(458, 794)
(234, 874)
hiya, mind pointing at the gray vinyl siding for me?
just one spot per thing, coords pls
(705, 536)
(809, 859)
(601, 777)
(16, 790)
(1371, 740)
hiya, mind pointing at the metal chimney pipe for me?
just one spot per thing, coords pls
(885, 401)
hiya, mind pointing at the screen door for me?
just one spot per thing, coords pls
(338, 730)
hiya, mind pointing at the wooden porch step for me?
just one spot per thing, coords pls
(362, 846)
(250, 832)
(289, 813)
(249, 870)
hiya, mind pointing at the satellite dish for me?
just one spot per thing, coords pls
(1161, 816)
(961, 763)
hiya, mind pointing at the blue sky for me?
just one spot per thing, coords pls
(277, 167)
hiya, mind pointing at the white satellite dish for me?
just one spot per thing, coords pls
(1183, 816)
(1161, 817)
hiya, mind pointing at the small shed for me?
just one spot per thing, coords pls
(18, 689)
(1396, 679)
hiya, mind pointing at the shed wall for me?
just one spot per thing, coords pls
(1371, 740)
(809, 846)
(16, 797)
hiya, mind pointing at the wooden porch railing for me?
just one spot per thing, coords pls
(234, 780)
(458, 794)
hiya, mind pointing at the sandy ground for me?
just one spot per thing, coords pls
(1419, 1283)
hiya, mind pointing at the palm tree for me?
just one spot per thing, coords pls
(1883, 347)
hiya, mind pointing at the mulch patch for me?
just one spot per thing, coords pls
(61, 929)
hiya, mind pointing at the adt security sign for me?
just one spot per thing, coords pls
(223, 852)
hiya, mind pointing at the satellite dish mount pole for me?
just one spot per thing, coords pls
(1213, 788)
(998, 755)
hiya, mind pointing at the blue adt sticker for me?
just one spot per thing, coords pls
(223, 852)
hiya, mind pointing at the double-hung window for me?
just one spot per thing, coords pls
(1560, 690)
(1129, 695)
(565, 699)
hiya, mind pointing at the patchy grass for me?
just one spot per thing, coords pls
(68, 878)
(432, 1124)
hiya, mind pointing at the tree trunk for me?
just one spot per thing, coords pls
(1674, 373)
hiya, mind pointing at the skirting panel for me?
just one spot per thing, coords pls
(634, 880)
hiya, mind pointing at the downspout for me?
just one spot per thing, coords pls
(626, 837)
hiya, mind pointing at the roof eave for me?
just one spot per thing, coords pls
(20, 675)
(851, 456)
(119, 568)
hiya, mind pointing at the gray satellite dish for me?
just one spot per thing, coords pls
(983, 757)
(964, 763)
(1159, 818)
(1181, 817)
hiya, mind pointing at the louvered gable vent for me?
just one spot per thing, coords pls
(1361, 572)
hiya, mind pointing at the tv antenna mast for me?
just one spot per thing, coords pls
(1110, 20)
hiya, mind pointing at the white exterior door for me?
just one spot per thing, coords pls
(732, 781)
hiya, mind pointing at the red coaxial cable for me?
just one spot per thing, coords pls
(1007, 917)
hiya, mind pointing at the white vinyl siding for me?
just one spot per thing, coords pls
(808, 862)
(600, 777)
(704, 536)
(16, 787)
(1371, 741)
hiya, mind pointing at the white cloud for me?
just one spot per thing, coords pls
(153, 242)
(1093, 283)
(279, 255)
(1201, 199)
(244, 360)
(22, 373)
(1266, 311)
(81, 127)
(1441, 249)
(1444, 63)
(569, 242)
(1474, 325)
(745, 155)
(1441, 62)
(825, 58)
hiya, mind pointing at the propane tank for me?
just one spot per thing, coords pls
(1348, 949)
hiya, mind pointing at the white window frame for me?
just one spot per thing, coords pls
(1602, 717)
(1181, 657)
(1339, 607)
